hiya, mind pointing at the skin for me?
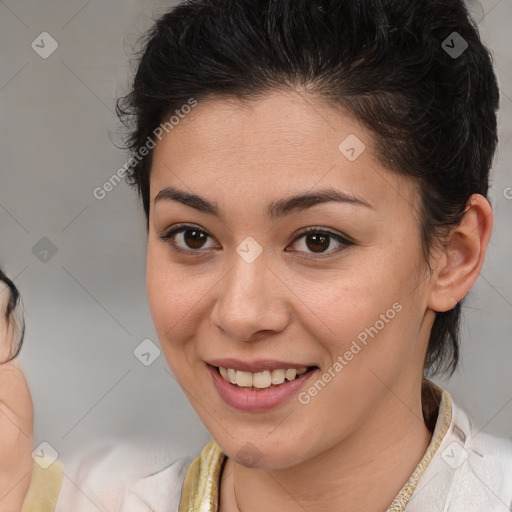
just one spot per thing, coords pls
(16, 422)
(207, 302)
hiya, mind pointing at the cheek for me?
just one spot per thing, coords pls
(167, 293)
(363, 335)
(177, 298)
(366, 314)
(168, 305)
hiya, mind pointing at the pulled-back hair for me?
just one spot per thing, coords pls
(431, 112)
(13, 318)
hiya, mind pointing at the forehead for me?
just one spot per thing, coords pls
(284, 140)
(284, 121)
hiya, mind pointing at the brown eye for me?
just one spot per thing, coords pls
(318, 241)
(186, 238)
(194, 239)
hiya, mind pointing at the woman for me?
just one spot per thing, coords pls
(16, 410)
(314, 176)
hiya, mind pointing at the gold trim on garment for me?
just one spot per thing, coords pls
(201, 485)
(45, 486)
(444, 419)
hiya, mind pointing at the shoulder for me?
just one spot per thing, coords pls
(487, 450)
(471, 470)
(486, 462)
(123, 477)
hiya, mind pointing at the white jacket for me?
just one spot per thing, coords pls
(469, 471)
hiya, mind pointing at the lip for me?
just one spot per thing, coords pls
(250, 400)
(259, 365)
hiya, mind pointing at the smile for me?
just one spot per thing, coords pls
(260, 380)
(261, 390)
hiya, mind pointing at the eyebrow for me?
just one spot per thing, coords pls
(275, 210)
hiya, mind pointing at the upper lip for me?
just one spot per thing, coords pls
(258, 365)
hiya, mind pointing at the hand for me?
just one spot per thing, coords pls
(16, 442)
(16, 411)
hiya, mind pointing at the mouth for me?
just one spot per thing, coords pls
(262, 390)
(262, 380)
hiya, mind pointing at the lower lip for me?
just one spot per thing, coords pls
(257, 401)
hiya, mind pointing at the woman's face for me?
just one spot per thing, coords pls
(243, 287)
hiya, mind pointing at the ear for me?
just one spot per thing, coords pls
(458, 263)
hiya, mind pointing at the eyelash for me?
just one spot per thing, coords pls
(168, 237)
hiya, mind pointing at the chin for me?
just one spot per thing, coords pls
(260, 453)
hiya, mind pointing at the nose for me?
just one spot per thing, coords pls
(251, 302)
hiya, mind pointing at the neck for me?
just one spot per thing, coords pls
(384, 450)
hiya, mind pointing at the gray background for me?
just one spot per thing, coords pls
(86, 307)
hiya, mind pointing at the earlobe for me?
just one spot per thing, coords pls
(459, 262)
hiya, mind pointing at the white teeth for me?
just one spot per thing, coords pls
(260, 380)
(232, 375)
(244, 379)
(291, 374)
(278, 376)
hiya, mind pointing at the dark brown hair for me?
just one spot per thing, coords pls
(392, 64)
(12, 315)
